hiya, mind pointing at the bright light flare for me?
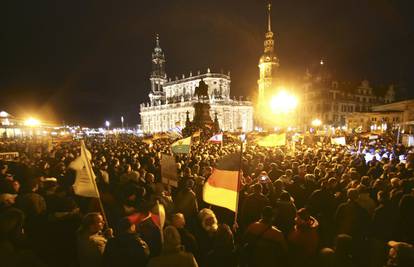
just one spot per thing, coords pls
(283, 102)
(32, 122)
(316, 122)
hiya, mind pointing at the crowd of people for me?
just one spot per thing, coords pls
(315, 205)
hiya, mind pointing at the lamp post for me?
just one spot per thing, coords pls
(107, 124)
(122, 122)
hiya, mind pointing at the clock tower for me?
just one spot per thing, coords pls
(268, 64)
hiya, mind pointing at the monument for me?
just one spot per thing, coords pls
(202, 121)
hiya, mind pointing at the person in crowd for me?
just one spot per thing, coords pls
(173, 253)
(186, 202)
(285, 219)
(400, 254)
(126, 249)
(265, 244)
(149, 231)
(13, 250)
(252, 205)
(187, 238)
(206, 232)
(223, 253)
(304, 238)
(91, 240)
(336, 184)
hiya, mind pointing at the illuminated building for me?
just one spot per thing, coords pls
(332, 101)
(268, 65)
(171, 99)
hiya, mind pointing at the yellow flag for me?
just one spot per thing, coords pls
(272, 140)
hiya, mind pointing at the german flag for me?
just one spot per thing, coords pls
(221, 187)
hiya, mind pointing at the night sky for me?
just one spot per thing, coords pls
(86, 61)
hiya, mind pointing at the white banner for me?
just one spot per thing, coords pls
(169, 170)
(85, 178)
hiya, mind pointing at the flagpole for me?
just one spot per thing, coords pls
(238, 184)
(89, 166)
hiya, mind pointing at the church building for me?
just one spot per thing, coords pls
(169, 100)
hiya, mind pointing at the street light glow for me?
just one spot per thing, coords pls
(316, 122)
(32, 122)
(283, 102)
(107, 124)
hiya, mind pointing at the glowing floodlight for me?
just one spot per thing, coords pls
(316, 122)
(283, 102)
(32, 122)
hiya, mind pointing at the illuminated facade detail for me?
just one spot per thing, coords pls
(268, 63)
(170, 100)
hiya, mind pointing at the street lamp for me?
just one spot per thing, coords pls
(316, 123)
(107, 124)
(122, 122)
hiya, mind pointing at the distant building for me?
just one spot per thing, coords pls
(374, 121)
(331, 101)
(406, 108)
(171, 99)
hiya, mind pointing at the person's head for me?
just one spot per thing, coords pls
(189, 184)
(93, 222)
(178, 220)
(172, 239)
(196, 169)
(343, 245)
(395, 182)
(285, 196)
(187, 171)
(257, 188)
(289, 173)
(302, 217)
(128, 168)
(327, 257)
(401, 254)
(207, 171)
(302, 170)
(353, 194)
(363, 190)
(149, 178)
(267, 214)
(332, 183)
(126, 226)
(382, 197)
(208, 220)
(278, 185)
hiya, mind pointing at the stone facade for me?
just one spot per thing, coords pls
(171, 99)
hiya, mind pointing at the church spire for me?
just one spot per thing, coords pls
(157, 40)
(269, 21)
(268, 63)
(158, 75)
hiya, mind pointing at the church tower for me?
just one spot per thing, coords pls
(268, 63)
(158, 75)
